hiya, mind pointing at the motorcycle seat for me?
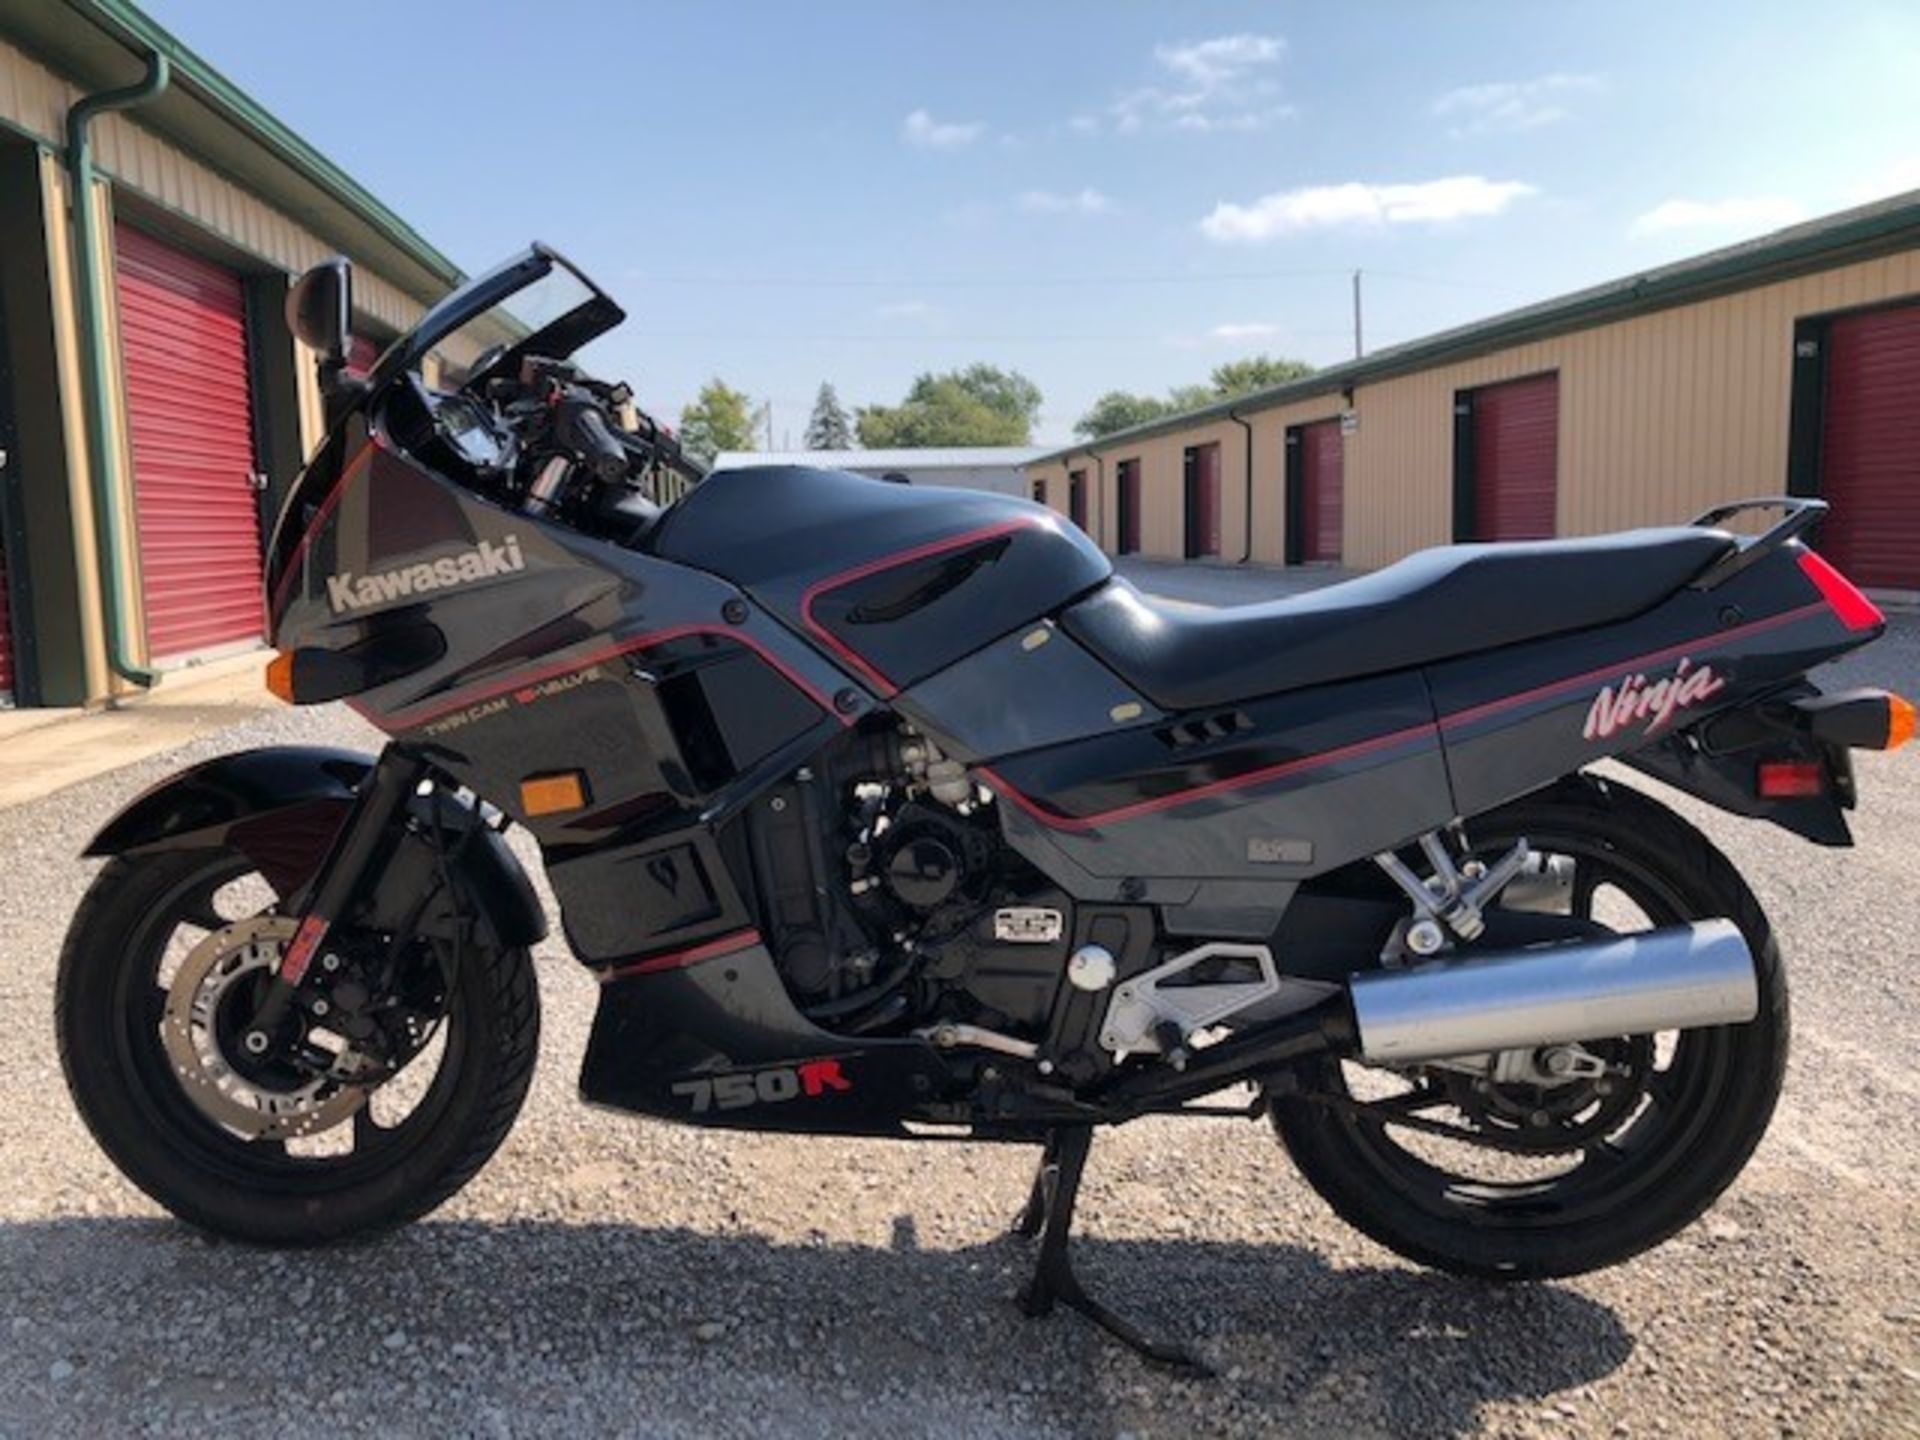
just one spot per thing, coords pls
(1434, 605)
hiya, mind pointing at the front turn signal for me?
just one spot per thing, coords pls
(280, 676)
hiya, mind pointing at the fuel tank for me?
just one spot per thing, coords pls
(895, 581)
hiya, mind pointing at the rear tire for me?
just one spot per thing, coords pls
(141, 1114)
(1718, 1112)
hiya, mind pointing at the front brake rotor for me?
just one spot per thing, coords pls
(238, 1093)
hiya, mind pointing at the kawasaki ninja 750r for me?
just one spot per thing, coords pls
(884, 810)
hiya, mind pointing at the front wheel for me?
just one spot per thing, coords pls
(1516, 1180)
(164, 962)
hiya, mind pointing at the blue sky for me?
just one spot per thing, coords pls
(1100, 195)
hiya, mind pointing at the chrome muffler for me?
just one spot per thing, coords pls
(1679, 978)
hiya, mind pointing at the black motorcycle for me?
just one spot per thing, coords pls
(885, 810)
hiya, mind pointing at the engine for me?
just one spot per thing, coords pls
(893, 901)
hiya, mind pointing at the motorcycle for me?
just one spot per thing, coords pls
(891, 811)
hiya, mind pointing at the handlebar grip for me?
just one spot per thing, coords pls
(602, 453)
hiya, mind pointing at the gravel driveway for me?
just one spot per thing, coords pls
(614, 1275)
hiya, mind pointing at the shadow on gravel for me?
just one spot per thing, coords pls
(552, 1326)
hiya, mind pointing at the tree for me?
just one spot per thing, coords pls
(1118, 410)
(981, 405)
(720, 419)
(1256, 372)
(828, 428)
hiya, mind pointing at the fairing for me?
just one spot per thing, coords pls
(680, 680)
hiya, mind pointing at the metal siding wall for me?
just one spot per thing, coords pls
(36, 100)
(1661, 417)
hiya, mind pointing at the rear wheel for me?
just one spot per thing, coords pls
(162, 965)
(1523, 1179)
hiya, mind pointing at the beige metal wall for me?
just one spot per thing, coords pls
(1661, 416)
(129, 159)
(35, 100)
(1163, 470)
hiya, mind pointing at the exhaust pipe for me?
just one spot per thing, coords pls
(1679, 978)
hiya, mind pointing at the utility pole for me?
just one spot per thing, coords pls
(769, 414)
(1357, 347)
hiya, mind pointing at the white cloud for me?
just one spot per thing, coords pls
(1249, 330)
(1086, 202)
(1212, 63)
(1509, 105)
(1084, 124)
(923, 131)
(905, 310)
(1216, 84)
(1752, 214)
(1456, 197)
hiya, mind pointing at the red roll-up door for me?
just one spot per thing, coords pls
(1203, 500)
(1129, 485)
(1870, 448)
(1322, 490)
(1516, 445)
(183, 339)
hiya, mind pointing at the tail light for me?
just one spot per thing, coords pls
(1843, 597)
(1791, 779)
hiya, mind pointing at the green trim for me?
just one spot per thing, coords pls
(1850, 236)
(102, 458)
(233, 104)
(1807, 406)
(1465, 522)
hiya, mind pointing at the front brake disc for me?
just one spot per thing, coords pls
(215, 973)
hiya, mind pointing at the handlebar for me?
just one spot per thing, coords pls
(583, 429)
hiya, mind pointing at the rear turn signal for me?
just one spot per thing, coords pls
(1791, 779)
(1899, 722)
(1843, 597)
(280, 676)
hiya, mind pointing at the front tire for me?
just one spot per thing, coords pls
(110, 1001)
(1671, 1158)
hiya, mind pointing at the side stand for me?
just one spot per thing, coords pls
(1049, 1215)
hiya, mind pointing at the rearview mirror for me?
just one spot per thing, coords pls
(319, 312)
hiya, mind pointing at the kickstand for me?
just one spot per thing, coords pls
(1049, 1214)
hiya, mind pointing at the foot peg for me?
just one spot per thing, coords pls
(1049, 1215)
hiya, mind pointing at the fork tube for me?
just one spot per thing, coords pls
(382, 800)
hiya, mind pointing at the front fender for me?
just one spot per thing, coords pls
(282, 806)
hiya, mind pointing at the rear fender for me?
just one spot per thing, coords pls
(282, 806)
(1719, 762)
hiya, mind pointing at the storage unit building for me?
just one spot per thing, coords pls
(122, 560)
(1786, 364)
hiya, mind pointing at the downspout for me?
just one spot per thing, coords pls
(104, 459)
(1099, 484)
(1247, 553)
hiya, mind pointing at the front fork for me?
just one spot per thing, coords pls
(357, 847)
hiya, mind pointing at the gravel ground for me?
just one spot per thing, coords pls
(614, 1275)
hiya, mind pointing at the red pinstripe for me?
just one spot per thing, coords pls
(679, 959)
(500, 685)
(880, 683)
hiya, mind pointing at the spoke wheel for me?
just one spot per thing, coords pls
(1524, 1178)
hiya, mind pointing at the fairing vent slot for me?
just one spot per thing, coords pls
(1204, 730)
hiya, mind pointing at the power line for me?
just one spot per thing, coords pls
(934, 337)
(907, 282)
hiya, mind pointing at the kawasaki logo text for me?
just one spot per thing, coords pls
(348, 591)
